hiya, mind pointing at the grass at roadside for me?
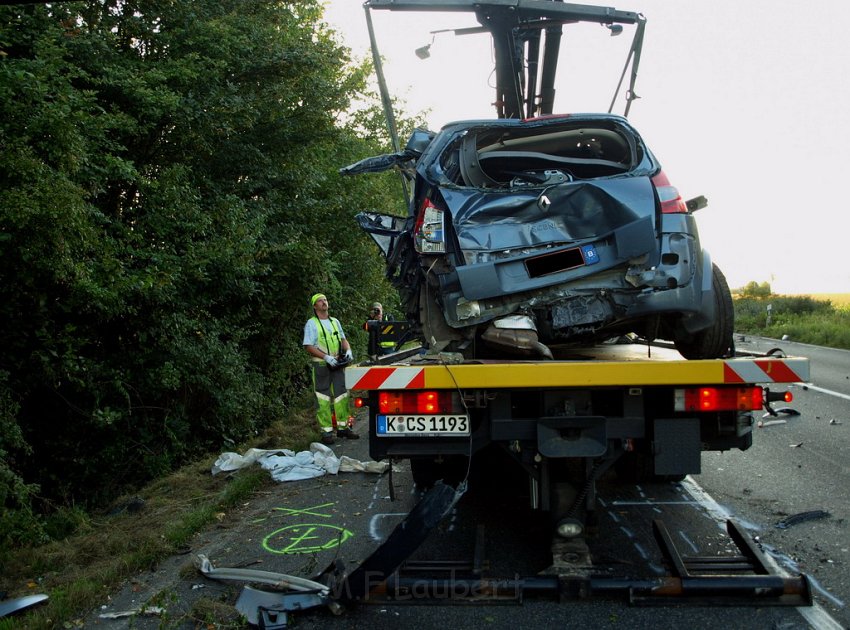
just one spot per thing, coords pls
(79, 572)
(805, 319)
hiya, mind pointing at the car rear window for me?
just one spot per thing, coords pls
(508, 157)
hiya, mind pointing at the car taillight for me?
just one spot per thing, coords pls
(419, 402)
(429, 235)
(671, 200)
(719, 399)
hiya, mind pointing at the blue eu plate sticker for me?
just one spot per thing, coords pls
(590, 255)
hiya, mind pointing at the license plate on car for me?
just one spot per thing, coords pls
(424, 425)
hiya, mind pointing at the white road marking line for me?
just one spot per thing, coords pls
(690, 543)
(824, 391)
(374, 532)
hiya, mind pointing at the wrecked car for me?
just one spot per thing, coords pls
(536, 232)
(528, 236)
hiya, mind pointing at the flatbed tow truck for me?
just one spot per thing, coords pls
(641, 409)
(636, 407)
(563, 422)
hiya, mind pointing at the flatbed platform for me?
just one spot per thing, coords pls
(629, 365)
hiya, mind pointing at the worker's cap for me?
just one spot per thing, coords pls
(376, 305)
(316, 298)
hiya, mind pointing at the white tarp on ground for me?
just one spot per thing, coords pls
(287, 465)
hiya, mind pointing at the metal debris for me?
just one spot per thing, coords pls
(278, 580)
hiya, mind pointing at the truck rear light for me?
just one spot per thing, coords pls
(419, 402)
(719, 399)
(778, 396)
(429, 234)
(671, 200)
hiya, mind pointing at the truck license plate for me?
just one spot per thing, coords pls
(406, 425)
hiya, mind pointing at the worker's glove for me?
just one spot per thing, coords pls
(331, 361)
(348, 355)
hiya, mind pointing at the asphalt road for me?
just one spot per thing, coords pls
(795, 467)
(302, 527)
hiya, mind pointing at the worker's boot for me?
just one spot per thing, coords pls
(347, 433)
(328, 437)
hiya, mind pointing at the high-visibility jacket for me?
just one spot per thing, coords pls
(328, 342)
(386, 345)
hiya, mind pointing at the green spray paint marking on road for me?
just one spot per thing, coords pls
(290, 511)
(307, 510)
(305, 538)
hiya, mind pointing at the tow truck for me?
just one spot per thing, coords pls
(641, 409)
(564, 423)
(630, 405)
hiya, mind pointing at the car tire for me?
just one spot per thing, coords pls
(715, 341)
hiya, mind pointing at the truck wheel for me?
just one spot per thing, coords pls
(715, 341)
(427, 471)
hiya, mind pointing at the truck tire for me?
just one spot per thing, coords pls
(715, 341)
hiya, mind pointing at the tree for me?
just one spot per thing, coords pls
(755, 290)
(169, 198)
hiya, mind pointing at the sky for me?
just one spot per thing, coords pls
(744, 101)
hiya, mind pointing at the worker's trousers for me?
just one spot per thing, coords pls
(331, 396)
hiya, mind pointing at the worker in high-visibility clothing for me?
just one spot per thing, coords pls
(328, 348)
(376, 313)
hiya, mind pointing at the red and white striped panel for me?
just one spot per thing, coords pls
(385, 378)
(766, 371)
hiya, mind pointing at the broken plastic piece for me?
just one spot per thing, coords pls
(762, 424)
(787, 411)
(268, 610)
(802, 517)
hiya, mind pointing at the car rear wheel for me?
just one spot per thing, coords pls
(715, 341)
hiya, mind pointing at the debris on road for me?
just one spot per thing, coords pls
(144, 610)
(762, 424)
(287, 465)
(802, 517)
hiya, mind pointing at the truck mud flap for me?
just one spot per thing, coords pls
(398, 547)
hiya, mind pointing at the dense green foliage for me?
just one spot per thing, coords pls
(802, 318)
(169, 199)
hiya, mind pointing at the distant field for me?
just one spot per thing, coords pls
(839, 300)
